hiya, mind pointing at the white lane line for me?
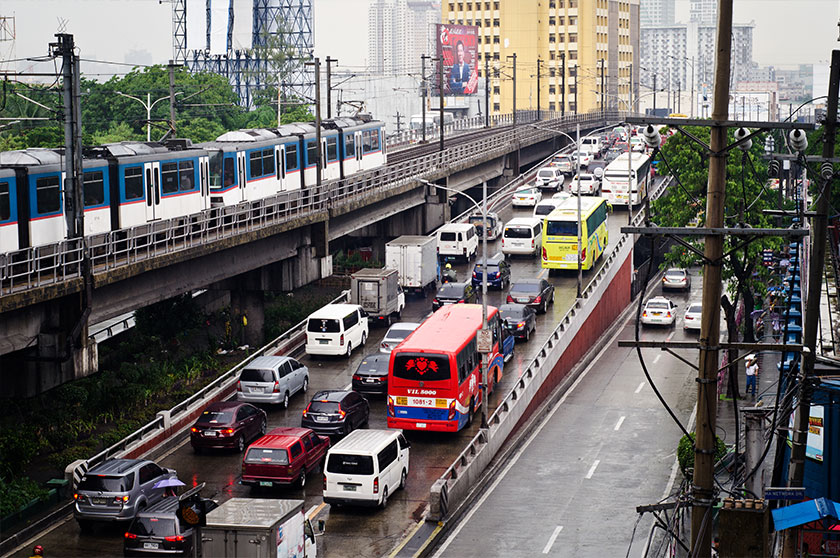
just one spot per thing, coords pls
(592, 469)
(638, 389)
(541, 273)
(619, 423)
(348, 387)
(669, 336)
(656, 358)
(552, 538)
(466, 519)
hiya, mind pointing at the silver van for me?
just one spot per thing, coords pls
(272, 379)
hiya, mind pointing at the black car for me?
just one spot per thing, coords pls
(519, 320)
(335, 412)
(157, 531)
(372, 374)
(536, 293)
(498, 273)
(453, 293)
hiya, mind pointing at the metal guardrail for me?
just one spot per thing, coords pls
(52, 264)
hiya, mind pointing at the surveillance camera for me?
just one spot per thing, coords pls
(798, 140)
(651, 136)
(740, 134)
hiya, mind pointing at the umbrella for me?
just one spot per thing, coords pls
(165, 483)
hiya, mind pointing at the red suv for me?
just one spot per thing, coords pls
(283, 457)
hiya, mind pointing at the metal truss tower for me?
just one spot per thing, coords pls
(179, 31)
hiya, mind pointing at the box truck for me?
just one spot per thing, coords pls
(378, 292)
(415, 259)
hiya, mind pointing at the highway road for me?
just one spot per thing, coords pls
(606, 447)
(349, 532)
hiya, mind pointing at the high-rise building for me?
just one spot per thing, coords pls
(579, 44)
(399, 32)
(703, 12)
(657, 12)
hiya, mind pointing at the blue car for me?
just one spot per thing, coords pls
(498, 272)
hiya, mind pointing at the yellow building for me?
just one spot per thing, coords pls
(590, 41)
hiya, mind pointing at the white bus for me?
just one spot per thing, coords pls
(614, 182)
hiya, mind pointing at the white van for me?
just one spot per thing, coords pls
(522, 235)
(591, 145)
(546, 206)
(457, 239)
(550, 177)
(336, 329)
(366, 467)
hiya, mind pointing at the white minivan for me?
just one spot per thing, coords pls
(522, 235)
(336, 329)
(546, 206)
(457, 239)
(366, 467)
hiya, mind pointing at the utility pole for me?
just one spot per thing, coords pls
(440, 96)
(630, 89)
(654, 94)
(514, 88)
(329, 85)
(796, 470)
(423, 58)
(399, 117)
(679, 97)
(563, 84)
(172, 67)
(486, 92)
(73, 200)
(318, 155)
(705, 437)
(539, 62)
(603, 91)
(576, 88)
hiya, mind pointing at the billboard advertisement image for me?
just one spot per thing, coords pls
(457, 51)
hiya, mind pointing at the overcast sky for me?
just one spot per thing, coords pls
(140, 31)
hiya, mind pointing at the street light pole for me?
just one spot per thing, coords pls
(579, 231)
(148, 105)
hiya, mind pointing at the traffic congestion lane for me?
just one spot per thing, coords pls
(350, 531)
(608, 446)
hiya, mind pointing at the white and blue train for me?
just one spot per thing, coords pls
(132, 183)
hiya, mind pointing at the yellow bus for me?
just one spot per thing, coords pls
(560, 234)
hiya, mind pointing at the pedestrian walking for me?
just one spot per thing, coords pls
(752, 374)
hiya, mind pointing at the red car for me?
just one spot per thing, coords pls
(227, 424)
(283, 457)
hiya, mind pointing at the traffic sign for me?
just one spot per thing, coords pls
(784, 493)
(485, 340)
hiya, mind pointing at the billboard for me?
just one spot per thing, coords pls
(457, 47)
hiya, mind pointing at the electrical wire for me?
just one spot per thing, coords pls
(676, 177)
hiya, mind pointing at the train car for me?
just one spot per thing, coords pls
(8, 211)
(361, 143)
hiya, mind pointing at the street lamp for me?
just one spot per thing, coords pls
(484, 330)
(148, 105)
(691, 63)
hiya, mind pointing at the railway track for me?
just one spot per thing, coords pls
(433, 145)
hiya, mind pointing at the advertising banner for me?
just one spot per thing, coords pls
(457, 50)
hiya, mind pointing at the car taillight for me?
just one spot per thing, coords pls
(390, 406)
(435, 301)
(451, 410)
(465, 251)
(520, 325)
(174, 538)
(644, 314)
(238, 386)
(193, 429)
(538, 300)
(668, 315)
(383, 345)
(357, 377)
(130, 535)
(461, 301)
(376, 485)
(121, 500)
(226, 432)
(307, 407)
(509, 299)
(533, 242)
(341, 412)
(475, 274)
(78, 497)
(583, 254)
(325, 480)
(341, 339)
(276, 386)
(545, 254)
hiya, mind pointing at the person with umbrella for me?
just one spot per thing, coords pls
(170, 486)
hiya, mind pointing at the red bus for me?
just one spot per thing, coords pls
(435, 373)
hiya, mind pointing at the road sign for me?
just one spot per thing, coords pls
(485, 340)
(784, 493)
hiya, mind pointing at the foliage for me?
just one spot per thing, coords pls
(18, 447)
(17, 493)
(285, 310)
(685, 453)
(168, 318)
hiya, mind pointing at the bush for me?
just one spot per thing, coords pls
(685, 453)
(18, 447)
(17, 493)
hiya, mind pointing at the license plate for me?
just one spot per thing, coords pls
(421, 425)
(657, 313)
(440, 403)
(151, 546)
(265, 483)
(323, 341)
(211, 433)
(350, 488)
(370, 381)
(402, 400)
(99, 501)
(523, 300)
(320, 419)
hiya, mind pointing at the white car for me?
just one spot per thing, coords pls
(659, 311)
(693, 314)
(676, 278)
(589, 184)
(565, 163)
(561, 196)
(637, 144)
(585, 159)
(527, 197)
(395, 335)
(550, 177)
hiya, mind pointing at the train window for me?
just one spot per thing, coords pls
(311, 153)
(255, 159)
(374, 140)
(230, 173)
(169, 178)
(349, 146)
(268, 161)
(133, 183)
(366, 141)
(5, 202)
(48, 194)
(216, 169)
(186, 171)
(332, 149)
(94, 188)
(291, 157)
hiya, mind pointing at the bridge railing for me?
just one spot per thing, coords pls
(56, 263)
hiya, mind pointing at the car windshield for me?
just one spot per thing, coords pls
(451, 290)
(528, 192)
(216, 417)
(316, 325)
(518, 232)
(512, 313)
(657, 306)
(267, 455)
(153, 526)
(350, 464)
(530, 288)
(561, 228)
(394, 334)
(374, 365)
(695, 308)
(100, 483)
(256, 375)
(675, 274)
(421, 367)
(326, 407)
(544, 209)
(492, 267)
(546, 174)
(447, 236)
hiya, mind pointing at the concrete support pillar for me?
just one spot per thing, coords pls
(247, 309)
(754, 446)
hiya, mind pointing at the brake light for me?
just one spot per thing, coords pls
(668, 315)
(583, 254)
(475, 274)
(532, 243)
(78, 497)
(341, 412)
(121, 500)
(435, 301)
(325, 480)
(644, 314)
(357, 377)
(509, 299)
(461, 301)
(465, 251)
(451, 415)
(545, 254)
(390, 406)
(520, 325)
(310, 404)
(174, 538)
(341, 339)
(226, 432)
(238, 386)
(193, 429)
(130, 535)
(376, 485)
(538, 300)
(276, 386)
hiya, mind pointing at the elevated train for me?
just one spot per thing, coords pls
(132, 183)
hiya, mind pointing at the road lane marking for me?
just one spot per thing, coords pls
(552, 538)
(610, 345)
(541, 273)
(656, 358)
(638, 389)
(592, 469)
(618, 424)
(669, 336)
(348, 387)
(407, 538)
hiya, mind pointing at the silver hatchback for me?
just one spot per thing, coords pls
(272, 379)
